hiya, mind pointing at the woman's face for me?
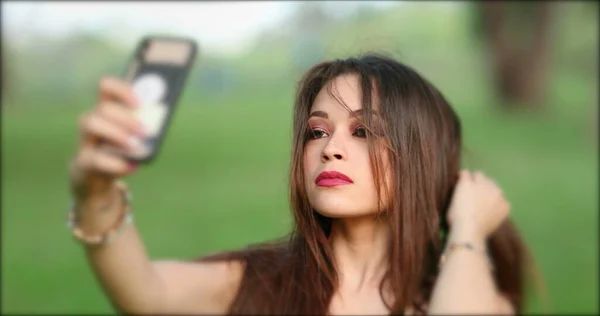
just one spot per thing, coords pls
(337, 171)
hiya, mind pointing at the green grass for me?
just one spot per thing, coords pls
(220, 182)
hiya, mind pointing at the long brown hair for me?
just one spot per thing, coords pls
(422, 136)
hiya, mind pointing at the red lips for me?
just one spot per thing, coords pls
(332, 178)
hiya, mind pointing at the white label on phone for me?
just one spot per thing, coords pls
(152, 116)
(150, 88)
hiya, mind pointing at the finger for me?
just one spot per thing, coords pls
(94, 160)
(121, 116)
(111, 88)
(507, 206)
(502, 211)
(100, 128)
(479, 176)
(86, 139)
(465, 175)
(491, 183)
(494, 184)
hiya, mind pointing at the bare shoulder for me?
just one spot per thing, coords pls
(199, 287)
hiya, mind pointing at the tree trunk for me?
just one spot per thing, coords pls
(519, 69)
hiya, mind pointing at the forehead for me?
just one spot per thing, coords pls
(345, 88)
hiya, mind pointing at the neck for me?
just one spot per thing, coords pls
(360, 250)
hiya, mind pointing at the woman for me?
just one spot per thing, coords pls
(385, 222)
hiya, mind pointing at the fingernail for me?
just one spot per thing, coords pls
(131, 167)
(135, 143)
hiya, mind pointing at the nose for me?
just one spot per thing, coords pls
(333, 151)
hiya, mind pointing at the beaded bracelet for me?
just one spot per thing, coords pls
(106, 238)
(466, 245)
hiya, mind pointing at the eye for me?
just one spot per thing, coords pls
(360, 132)
(316, 133)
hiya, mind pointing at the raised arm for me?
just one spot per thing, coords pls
(133, 283)
(465, 284)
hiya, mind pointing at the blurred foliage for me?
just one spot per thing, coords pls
(425, 35)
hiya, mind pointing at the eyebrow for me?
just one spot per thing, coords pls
(358, 112)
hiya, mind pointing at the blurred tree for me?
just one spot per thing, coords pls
(311, 16)
(63, 70)
(309, 22)
(12, 81)
(517, 35)
(5, 75)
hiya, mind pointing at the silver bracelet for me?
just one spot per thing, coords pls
(464, 245)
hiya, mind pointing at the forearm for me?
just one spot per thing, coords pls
(122, 267)
(465, 283)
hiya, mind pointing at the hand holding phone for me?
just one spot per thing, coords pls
(111, 141)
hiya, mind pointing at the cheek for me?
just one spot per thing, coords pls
(309, 166)
(311, 157)
(363, 160)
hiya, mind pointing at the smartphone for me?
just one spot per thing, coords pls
(158, 73)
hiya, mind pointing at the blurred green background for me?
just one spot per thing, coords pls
(220, 181)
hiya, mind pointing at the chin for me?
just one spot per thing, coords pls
(335, 206)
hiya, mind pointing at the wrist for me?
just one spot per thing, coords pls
(99, 225)
(98, 202)
(466, 232)
(98, 212)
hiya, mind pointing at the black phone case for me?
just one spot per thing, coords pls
(175, 77)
